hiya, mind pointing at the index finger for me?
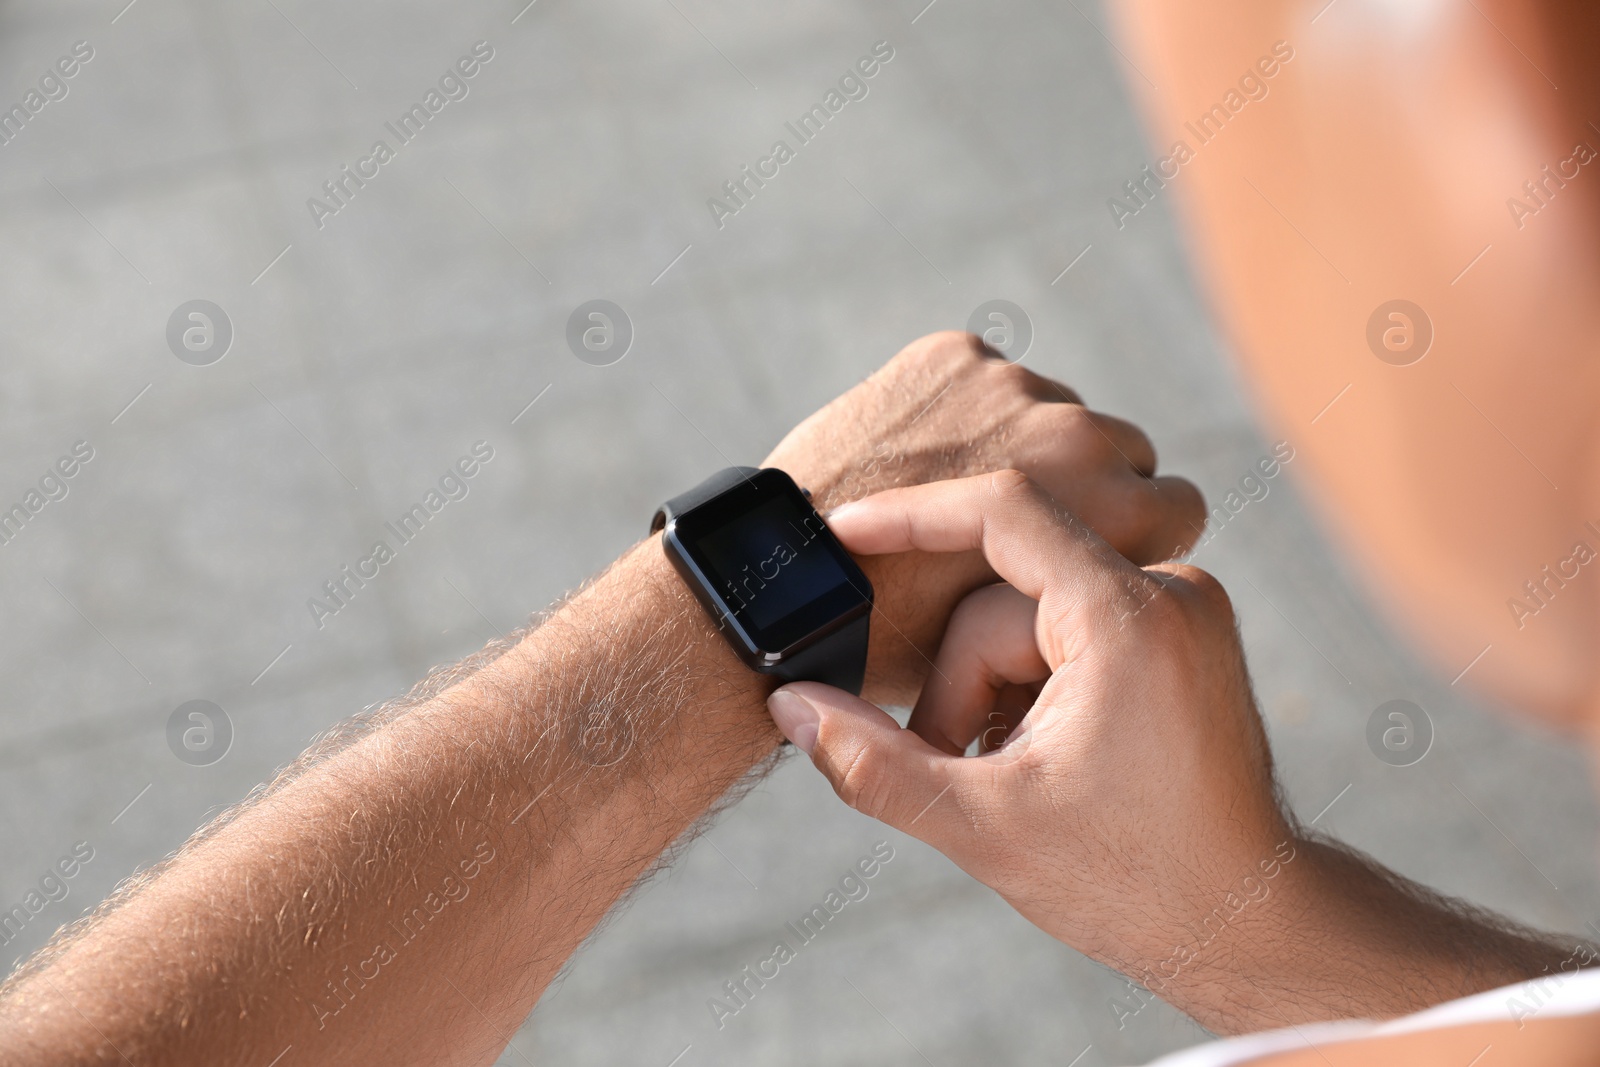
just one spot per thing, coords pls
(1026, 535)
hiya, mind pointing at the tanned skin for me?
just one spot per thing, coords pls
(1128, 807)
(542, 779)
(407, 890)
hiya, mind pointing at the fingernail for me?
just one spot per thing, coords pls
(796, 717)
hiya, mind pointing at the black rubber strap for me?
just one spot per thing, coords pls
(840, 659)
(719, 482)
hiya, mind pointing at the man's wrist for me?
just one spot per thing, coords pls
(636, 622)
(667, 604)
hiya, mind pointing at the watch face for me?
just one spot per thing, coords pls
(770, 563)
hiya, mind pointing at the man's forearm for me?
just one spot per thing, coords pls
(407, 898)
(1330, 934)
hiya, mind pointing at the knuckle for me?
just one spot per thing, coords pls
(945, 346)
(1012, 485)
(969, 614)
(1012, 374)
(1159, 614)
(1144, 508)
(1183, 516)
(864, 781)
(1057, 392)
(1020, 389)
(1187, 625)
(975, 616)
(1203, 582)
(981, 602)
(1077, 419)
(1204, 591)
(1140, 446)
(1036, 387)
(1080, 432)
(1190, 501)
(961, 343)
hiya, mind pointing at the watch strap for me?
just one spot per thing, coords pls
(839, 659)
(719, 482)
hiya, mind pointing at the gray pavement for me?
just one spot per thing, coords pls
(426, 314)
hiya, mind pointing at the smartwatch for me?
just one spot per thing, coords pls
(781, 588)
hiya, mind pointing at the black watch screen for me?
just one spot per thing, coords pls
(770, 564)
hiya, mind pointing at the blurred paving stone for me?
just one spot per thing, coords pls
(425, 316)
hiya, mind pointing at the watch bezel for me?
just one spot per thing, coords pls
(766, 647)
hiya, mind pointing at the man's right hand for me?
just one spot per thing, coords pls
(1131, 811)
(1136, 795)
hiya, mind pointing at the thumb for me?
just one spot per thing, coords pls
(879, 769)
